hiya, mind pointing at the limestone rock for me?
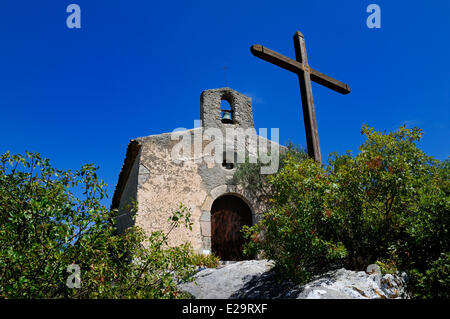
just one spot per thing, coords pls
(346, 284)
(223, 282)
(254, 279)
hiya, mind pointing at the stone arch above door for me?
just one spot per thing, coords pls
(227, 190)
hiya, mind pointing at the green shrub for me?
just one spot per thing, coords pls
(44, 228)
(292, 232)
(434, 282)
(387, 266)
(389, 203)
(385, 193)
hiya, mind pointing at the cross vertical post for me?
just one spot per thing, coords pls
(309, 114)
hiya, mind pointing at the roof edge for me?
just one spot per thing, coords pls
(132, 151)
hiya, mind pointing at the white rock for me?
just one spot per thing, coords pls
(254, 279)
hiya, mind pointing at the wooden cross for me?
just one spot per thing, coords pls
(305, 75)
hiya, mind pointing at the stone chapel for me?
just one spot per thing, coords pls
(219, 208)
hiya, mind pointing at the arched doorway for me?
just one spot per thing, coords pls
(228, 214)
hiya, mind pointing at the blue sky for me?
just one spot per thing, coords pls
(137, 68)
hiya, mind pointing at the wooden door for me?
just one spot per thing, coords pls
(228, 215)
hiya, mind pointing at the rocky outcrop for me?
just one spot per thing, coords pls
(345, 284)
(254, 279)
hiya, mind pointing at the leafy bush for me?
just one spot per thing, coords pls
(390, 195)
(202, 260)
(434, 282)
(292, 232)
(387, 266)
(44, 228)
(389, 203)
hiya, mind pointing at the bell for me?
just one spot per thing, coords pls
(226, 118)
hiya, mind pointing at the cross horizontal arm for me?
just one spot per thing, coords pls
(297, 67)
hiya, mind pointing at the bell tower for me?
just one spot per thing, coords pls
(214, 111)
